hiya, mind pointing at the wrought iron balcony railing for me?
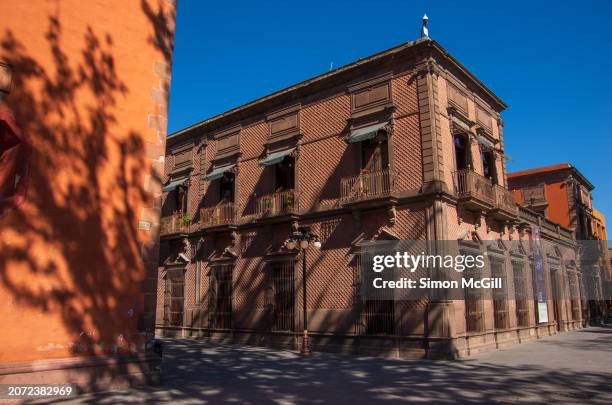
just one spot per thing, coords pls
(222, 214)
(505, 201)
(175, 223)
(471, 185)
(279, 203)
(366, 186)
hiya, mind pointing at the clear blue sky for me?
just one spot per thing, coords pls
(550, 61)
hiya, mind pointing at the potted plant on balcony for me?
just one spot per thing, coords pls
(289, 200)
(186, 219)
(268, 205)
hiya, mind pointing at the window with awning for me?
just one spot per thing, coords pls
(218, 172)
(173, 185)
(365, 133)
(484, 142)
(276, 157)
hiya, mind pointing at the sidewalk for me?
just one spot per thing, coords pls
(573, 367)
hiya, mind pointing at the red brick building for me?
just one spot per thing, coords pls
(404, 144)
(83, 105)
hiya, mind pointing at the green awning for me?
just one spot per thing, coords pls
(365, 133)
(276, 157)
(172, 185)
(484, 141)
(218, 173)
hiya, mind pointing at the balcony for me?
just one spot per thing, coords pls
(475, 192)
(366, 186)
(177, 223)
(279, 203)
(218, 216)
(505, 204)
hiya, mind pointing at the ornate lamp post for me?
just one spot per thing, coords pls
(303, 239)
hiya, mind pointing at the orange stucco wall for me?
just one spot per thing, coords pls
(555, 189)
(558, 204)
(89, 89)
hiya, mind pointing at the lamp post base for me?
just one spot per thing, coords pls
(305, 350)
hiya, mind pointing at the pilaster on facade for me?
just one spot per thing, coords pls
(429, 108)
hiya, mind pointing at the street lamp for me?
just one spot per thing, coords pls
(303, 238)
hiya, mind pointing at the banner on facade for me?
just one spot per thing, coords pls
(538, 266)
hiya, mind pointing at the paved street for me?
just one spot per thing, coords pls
(572, 367)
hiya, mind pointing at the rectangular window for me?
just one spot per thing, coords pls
(284, 174)
(488, 165)
(226, 187)
(474, 313)
(174, 301)
(474, 321)
(377, 310)
(500, 298)
(180, 196)
(520, 294)
(221, 297)
(574, 295)
(374, 155)
(283, 285)
(462, 152)
(378, 317)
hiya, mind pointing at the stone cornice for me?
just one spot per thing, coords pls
(421, 48)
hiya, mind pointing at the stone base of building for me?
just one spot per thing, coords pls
(99, 373)
(406, 347)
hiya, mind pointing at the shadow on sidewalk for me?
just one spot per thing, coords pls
(196, 371)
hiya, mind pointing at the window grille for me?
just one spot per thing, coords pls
(474, 313)
(283, 283)
(520, 294)
(377, 315)
(221, 297)
(500, 301)
(174, 301)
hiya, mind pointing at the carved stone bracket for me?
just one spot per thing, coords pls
(478, 217)
(233, 239)
(389, 128)
(187, 247)
(391, 212)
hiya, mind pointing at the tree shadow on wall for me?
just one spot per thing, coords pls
(72, 248)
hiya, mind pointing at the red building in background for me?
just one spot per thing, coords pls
(561, 193)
